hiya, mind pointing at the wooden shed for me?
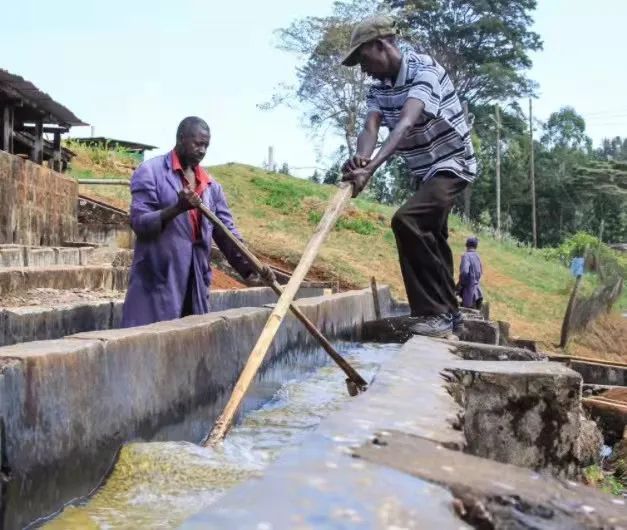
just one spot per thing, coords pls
(31, 122)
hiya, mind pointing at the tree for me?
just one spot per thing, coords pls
(483, 44)
(332, 175)
(332, 96)
(612, 149)
(285, 169)
(602, 187)
(315, 177)
(566, 130)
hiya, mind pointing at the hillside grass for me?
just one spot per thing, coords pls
(277, 214)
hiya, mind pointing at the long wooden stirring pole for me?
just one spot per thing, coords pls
(359, 383)
(258, 353)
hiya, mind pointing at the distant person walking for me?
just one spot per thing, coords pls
(170, 274)
(415, 99)
(577, 266)
(470, 271)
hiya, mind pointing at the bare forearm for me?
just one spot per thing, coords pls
(388, 148)
(366, 142)
(411, 112)
(169, 213)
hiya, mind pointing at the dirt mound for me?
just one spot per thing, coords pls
(221, 280)
(606, 338)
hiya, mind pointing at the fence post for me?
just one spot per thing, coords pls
(569, 309)
(375, 298)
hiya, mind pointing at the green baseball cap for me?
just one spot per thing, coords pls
(368, 30)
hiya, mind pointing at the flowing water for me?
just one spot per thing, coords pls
(160, 484)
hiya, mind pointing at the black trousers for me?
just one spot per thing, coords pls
(421, 230)
(188, 306)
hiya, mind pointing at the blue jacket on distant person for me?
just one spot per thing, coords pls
(577, 267)
(470, 271)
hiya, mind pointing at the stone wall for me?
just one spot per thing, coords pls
(66, 405)
(93, 277)
(38, 206)
(103, 224)
(118, 236)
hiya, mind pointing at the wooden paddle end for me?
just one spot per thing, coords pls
(354, 389)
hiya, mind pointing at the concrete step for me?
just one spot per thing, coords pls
(14, 281)
(398, 329)
(12, 256)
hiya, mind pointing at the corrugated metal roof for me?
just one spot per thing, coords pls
(39, 99)
(113, 142)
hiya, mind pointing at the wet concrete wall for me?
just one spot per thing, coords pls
(38, 206)
(396, 457)
(30, 323)
(66, 405)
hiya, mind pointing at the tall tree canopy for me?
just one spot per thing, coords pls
(566, 130)
(332, 97)
(483, 44)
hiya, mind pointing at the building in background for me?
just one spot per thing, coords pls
(31, 123)
(134, 149)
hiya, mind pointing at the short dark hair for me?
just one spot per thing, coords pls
(188, 124)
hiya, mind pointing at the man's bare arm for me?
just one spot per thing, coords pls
(367, 139)
(360, 175)
(410, 113)
(366, 142)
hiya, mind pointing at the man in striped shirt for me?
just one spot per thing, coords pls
(415, 99)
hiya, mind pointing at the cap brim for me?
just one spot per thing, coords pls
(350, 59)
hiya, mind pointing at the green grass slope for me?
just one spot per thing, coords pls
(277, 214)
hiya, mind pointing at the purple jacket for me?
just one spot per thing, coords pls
(469, 275)
(165, 256)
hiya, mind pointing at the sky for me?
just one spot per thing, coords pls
(134, 69)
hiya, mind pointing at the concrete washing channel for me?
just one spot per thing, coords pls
(450, 434)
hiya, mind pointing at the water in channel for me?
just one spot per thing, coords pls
(160, 484)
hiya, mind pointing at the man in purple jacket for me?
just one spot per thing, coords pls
(470, 271)
(170, 275)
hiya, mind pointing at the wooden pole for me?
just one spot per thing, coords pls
(569, 309)
(56, 154)
(258, 353)
(498, 170)
(467, 189)
(350, 372)
(532, 176)
(37, 154)
(375, 298)
(104, 182)
(7, 129)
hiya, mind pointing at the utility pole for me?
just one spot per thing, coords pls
(532, 176)
(498, 170)
(467, 189)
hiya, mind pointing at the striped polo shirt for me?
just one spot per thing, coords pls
(441, 138)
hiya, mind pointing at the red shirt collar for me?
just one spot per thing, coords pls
(201, 175)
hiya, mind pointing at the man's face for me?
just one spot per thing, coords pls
(373, 60)
(193, 146)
